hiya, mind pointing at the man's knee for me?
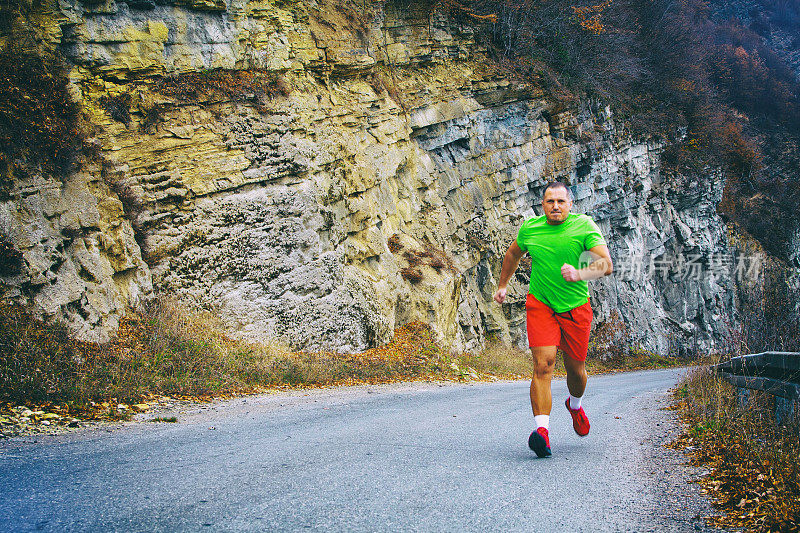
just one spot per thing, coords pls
(543, 368)
(544, 360)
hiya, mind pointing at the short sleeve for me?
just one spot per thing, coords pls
(593, 236)
(521, 239)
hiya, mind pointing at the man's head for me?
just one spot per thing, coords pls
(556, 202)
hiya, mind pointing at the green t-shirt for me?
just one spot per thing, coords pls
(552, 245)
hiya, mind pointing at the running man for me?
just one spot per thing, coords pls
(558, 310)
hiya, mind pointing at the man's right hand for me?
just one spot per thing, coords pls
(510, 264)
(500, 295)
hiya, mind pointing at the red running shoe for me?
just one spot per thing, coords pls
(539, 442)
(579, 421)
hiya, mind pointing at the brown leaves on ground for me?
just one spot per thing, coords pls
(753, 476)
(749, 495)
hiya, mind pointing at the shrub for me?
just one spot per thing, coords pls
(742, 154)
(221, 85)
(394, 243)
(437, 258)
(437, 263)
(412, 257)
(765, 323)
(167, 348)
(38, 120)
(411, 274)
(118, 107)
(152, 116)
(10, 258)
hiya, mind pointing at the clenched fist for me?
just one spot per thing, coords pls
(500, 295)
(570, 273)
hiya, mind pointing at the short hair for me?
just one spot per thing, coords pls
(559, 185)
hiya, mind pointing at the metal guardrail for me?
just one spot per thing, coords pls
(777, 373)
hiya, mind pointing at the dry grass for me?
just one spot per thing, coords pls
(36, 363)
(171, 350)
(167, 349)
(162, 350)
(635, 359)
(501, 360)
(754, 478)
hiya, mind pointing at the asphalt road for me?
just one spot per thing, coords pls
(414, 457)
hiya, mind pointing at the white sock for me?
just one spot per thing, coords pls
(575, 402)
(542, 421)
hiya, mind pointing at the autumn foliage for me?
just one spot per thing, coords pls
(590, 17)
(222, 84)
(699, 75)
(168, 348)
(38, 120)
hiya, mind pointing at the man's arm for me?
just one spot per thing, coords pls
(510, 264)
(599, 267)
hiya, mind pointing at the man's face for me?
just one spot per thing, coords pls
(556, 205)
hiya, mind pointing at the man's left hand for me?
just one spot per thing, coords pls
(570, 273)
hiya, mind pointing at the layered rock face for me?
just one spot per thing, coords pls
(73, 253)
(374, 174)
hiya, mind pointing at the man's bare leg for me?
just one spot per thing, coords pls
(576, 376)
(544, 359)
(576, 383)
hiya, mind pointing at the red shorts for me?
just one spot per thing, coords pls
(569, 330)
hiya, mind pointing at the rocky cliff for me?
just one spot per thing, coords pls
(325, 173)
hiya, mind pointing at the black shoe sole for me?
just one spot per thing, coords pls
(537, 443)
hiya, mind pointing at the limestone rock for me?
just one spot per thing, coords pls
(378, 181)
(80, 260)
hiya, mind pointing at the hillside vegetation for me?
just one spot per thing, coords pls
(712, 79)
